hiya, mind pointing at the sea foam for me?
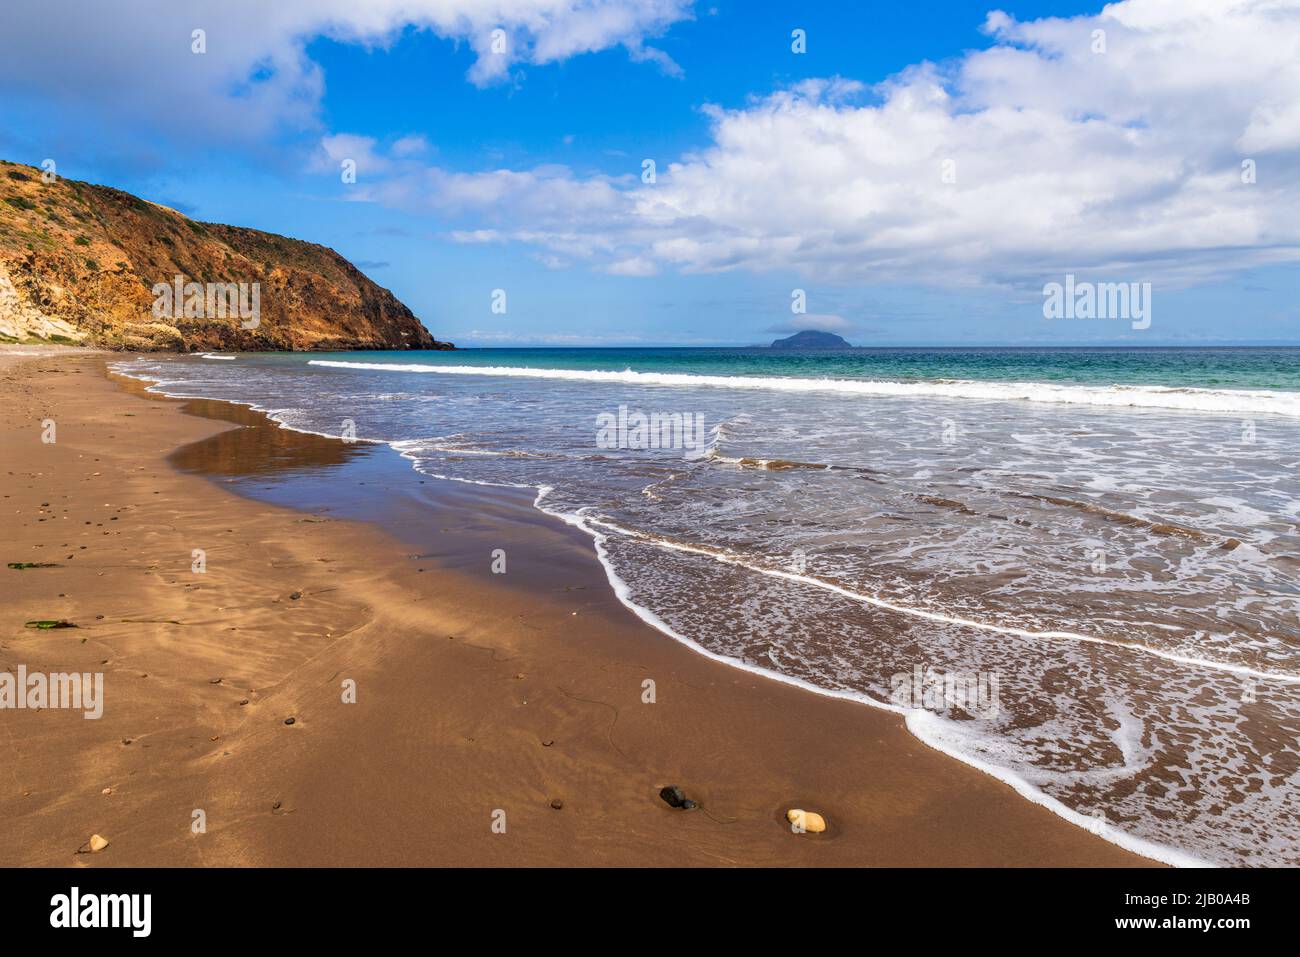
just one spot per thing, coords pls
(1226, 401)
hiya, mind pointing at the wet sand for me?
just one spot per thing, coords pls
(480, 697)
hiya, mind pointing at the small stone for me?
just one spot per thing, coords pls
(97, 843)
(106, 791)
(243, 701)
(295, 596)
(557, 804)
(809, 821)
(214, 681)
(290, 720)
(673, 796)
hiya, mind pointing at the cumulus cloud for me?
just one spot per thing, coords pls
(1059, 147)
(572, 218)
(1036, 153)
(135, 60)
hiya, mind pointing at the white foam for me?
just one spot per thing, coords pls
(931, 729)
(410, 449)
(1225, 401)
(1282, 677)
(162, 387)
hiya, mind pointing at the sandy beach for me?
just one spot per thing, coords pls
(481, 699)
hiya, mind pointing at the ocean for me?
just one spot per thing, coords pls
(1077, 569)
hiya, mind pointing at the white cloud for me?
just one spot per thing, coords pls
(825, 322)
(409, 146)
(548, 206)
(632, 266)
(134, 60)
(340, 147)
(1127, 163)
(1062, 157)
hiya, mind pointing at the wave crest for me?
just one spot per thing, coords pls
(1223, 401)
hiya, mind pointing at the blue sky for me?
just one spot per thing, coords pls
(793, 171)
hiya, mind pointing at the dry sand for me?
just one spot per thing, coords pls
(474, 693)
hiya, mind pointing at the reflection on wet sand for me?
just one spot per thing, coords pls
(454, 524)
(260, 447)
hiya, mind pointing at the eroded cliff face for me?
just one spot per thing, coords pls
(87, 264)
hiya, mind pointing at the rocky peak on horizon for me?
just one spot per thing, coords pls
(811, 339)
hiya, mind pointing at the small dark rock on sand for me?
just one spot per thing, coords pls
(675, 797)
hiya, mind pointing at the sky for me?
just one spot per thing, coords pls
(907, 174)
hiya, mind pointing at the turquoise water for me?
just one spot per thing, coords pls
(1218, 368)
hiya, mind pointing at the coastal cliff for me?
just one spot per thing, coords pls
(92, 265)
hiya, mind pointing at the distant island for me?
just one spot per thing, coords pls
(812, 339)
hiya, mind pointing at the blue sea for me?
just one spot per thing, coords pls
(1078, 569)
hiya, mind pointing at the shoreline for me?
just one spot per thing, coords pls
(564, 663)
(530, 499)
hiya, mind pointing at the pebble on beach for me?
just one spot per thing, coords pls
(674, 796)
(802, 820)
